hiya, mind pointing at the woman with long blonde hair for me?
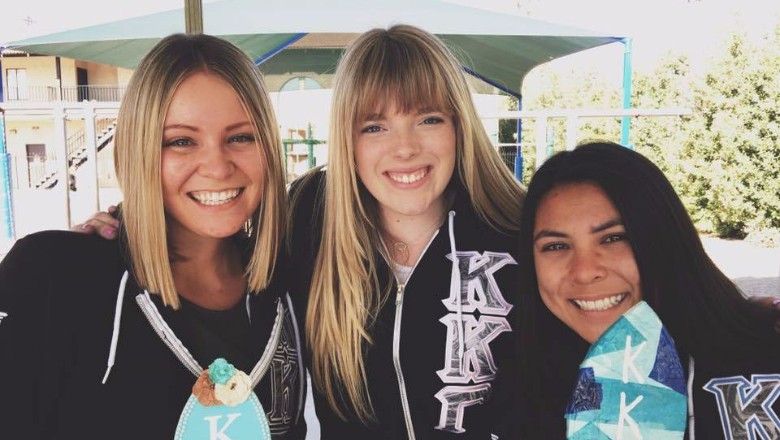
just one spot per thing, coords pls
(411, 248)
(402, 252)
(181, 319)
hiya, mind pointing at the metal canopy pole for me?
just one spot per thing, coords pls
(91, 165)
(519, 155)
(625, 125)
(193, 16)
(6, 203)
(63, 167)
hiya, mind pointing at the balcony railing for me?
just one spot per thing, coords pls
(65, 94)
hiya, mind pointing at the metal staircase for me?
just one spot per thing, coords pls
(77, 150)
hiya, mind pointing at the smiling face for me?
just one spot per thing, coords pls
(585, 267)
(212, 169)
(406, 160)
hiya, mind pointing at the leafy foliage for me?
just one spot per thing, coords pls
(723, 159)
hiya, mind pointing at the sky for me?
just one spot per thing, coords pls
(696, 27)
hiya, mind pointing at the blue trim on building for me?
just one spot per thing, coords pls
(6, 205)
(625, 123)
(519, 155)
(492, 83)
(279, 48)
(1, 77)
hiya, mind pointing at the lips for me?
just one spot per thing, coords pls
(408, 177)
(600, 305)
(215, 198)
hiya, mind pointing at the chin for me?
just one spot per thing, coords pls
(410, 209)
(220, 231)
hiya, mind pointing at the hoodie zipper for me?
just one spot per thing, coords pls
(399, 303)
(185, 357)
(166, 334)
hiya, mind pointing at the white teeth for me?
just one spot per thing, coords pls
(212, 198)
(408, 178)
(601, 304)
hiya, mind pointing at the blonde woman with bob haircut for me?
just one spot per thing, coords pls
(184, 307)
(408, 314)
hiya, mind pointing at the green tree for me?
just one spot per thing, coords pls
(731, 154)
(659, 138)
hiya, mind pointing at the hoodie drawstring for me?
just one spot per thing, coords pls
(691, 418)
(117, 319)
(455, 288)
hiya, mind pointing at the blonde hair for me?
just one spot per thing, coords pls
(413, 69)
(139, 138)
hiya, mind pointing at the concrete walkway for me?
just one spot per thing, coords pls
(754, 269)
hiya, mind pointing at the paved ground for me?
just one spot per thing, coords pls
(754, 269)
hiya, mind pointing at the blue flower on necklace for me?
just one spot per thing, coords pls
(220, 371)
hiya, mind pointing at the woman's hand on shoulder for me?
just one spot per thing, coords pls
(102, 223)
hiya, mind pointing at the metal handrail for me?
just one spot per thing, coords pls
(65, 94)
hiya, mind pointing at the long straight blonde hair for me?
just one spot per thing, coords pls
(413, 69)
(138, 146)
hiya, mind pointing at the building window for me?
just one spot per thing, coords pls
(300, 83)
(17, 84)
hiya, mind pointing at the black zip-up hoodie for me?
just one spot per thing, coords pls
(422, 382)
(69, 307)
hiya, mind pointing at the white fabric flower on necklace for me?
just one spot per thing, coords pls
(235, 391)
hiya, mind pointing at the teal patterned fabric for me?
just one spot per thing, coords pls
(631, 384)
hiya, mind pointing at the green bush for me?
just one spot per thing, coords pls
(723, 159)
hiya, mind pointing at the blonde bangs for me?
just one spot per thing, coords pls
(394, 72)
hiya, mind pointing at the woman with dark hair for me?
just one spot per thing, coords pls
(602, 229)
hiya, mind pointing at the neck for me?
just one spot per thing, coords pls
(407, 236)
(207, 271)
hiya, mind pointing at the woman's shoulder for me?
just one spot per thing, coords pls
(471, 226)
(307, 190)
(66, 246)
(60, 258)
(60, 273)
(306, 208)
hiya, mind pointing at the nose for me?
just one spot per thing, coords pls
(215, 161)
(406, 144)
(587, 267)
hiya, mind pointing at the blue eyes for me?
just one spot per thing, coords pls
(241, 138)
(187, 142)
(433, 120)
(182, 142)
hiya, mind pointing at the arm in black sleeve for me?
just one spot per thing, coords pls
(27, 365)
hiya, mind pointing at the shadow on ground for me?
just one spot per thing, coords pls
(758, 286)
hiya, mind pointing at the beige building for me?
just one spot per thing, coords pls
(49, 102)
(32, 87)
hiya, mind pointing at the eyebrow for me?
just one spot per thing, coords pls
(422, 111)
(184, 126)
(606, 225)
(196, 129)
(425, 110)
(594, 230)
